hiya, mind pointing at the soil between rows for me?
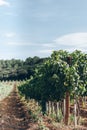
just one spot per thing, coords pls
(14, 115)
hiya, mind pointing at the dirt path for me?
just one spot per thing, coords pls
(13, 114)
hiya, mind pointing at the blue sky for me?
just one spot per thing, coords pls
(37, 27)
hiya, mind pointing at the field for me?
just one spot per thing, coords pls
(5, 89)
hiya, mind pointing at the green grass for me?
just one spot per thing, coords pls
(5, 90)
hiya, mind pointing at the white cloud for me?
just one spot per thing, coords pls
(73, 41)
(49, 51)
(3, 2)
(18, 43)
(69, 42)
(10, 35)
(22, 44)
(48, 45)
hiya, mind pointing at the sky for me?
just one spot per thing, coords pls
(31, 28)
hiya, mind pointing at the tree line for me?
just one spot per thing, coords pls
(16, 69)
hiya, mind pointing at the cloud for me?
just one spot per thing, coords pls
(3, 2)
(48, 45)
(73, 41)
(21, 44)
(46, 51)
(69, 42)
(18, 43)
(10, 35)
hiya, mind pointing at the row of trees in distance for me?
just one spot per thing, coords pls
(16, 69)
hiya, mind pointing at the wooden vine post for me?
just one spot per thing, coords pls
(67, 108)
(75, 120)
(67, 99)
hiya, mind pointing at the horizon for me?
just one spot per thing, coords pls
(39, 56)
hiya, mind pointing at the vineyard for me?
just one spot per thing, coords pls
(59, 83)
(54, 97)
